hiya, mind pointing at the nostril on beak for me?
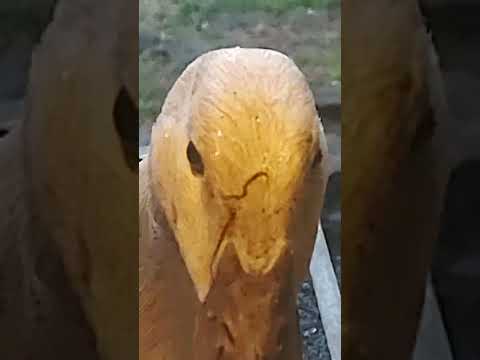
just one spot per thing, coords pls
(220, 352)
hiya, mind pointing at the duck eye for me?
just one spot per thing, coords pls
(195, 160)
(125, 116)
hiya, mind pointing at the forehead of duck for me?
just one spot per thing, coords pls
(247, 111)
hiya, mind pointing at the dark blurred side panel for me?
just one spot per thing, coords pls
(68, 180)
(410, 180)
(456, 271)
(456, 266)
(391, 190)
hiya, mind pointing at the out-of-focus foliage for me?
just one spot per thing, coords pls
(206, 8)
(174, 32)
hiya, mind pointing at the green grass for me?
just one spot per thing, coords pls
(213, 6)
(334, 64)
(192, 11)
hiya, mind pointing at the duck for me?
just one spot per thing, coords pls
(230, 197)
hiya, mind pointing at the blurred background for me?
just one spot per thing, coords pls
(22, 23)
(174, 32)
(451, 321)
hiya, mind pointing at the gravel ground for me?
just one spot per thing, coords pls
(314, 340)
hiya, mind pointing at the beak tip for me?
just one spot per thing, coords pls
(202, 292)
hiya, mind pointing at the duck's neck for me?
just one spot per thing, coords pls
(248, 317)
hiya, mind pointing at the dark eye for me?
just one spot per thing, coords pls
(125, 116)
(317, 159)
(195, 160)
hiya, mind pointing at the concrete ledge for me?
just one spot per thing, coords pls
(327, 293)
